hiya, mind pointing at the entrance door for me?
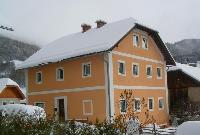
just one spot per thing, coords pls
(61, 109)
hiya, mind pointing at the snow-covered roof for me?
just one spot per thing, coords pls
(6, 82)
(78, 44)
(194, 72)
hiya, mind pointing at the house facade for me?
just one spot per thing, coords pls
(10, 92)
(81, 76)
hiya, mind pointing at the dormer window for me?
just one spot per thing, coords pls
(144, 43)
(135, 40)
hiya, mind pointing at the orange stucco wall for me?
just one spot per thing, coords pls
(10, 92)
(72, 74)
(75, 104)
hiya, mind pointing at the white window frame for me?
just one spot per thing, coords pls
(38, 102)
(38, 82)
(118, 66)
(152, 104)
(138, 69)
(140, 105)
(83, 64)
(143, 46)
(149, 76)
(91, 104)
(57, 70)
(136, 45)
(120, 107)
(160, 72)
(163, 105)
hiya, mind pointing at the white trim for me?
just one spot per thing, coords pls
(149, 76)
(86, 63)
(137, 57)
(163, 105)
(138, 69)
(39, 103)
(36, 77)
(139, 87)
(68, 90)
(166, 88)
(112, 102)
(161, 72)
(26, 84)
(152, 104)
(58, 79)
(136, 45)
(140, 104)
(118, 65)
(91, 107)
(65, 104)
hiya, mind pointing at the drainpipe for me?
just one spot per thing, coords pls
(108, 79)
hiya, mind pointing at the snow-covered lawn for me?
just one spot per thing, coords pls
(189, 128)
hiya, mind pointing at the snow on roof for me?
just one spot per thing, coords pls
(91, 41)
(194, 72)
(17, 62)
(6, 82)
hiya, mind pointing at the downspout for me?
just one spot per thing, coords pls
(108, 79)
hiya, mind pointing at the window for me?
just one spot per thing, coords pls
(40, 104)
(39, 77)
(137, 105)
(123, 106)
(121, 67)
(87, 107)
(135, 69)
(150, 104)
(86, 69)
(149, 71)
(160, 103)
(159, 73)
(144, 43)
(135, 40)
(60, 74)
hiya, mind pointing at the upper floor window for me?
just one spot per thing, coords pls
(39, 77)
(144, 43)
(86, 69)
(135, 69)
(159, 73)
(123, 106)
(121, 68)
(150, 104)
(160, 103)
(60, 74)
(136, 40)
(149, 71)
(137, 104)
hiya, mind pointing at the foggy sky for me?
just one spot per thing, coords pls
(42, 21)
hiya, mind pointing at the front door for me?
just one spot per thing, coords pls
(61, 109)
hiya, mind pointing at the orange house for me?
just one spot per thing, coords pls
(10, 92)
(82, 75)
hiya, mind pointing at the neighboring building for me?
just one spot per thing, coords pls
(183, 85)
(82, 75)
(10, 92)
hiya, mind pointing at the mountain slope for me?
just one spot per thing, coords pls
(185, 51)
(11, 53)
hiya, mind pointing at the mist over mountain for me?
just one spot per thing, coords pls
(13, 52)
(185, 51)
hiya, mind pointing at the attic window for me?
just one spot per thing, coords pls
(60, 74)
(144, 43)
(39, 77)
(86, 69)
(135, 40)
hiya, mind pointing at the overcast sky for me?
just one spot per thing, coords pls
(42, 21)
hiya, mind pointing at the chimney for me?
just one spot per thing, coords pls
(100, 23)
(85, 27)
